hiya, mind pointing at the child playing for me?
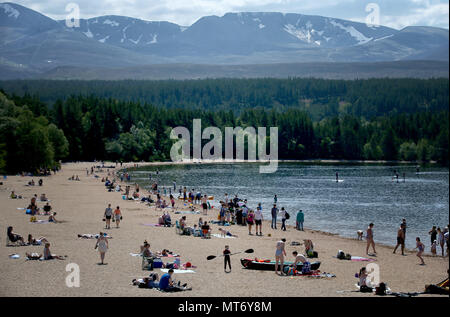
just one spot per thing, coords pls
(420, 247)
(227, 258)
(433, 248)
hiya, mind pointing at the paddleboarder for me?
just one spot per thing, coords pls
(226, 258)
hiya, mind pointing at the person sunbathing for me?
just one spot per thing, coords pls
(49, 256)
(32, 241)
(226, 233)
(147, 282)
(93, 236)
(13, 237)
(33, 256)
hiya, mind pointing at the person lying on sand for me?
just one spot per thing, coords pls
(33, 256)
(147, 282)
(13, 237)
(93, 236)
(49, 256)
(40, 241)
(226, 233)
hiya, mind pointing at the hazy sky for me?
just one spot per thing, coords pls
(393, 13)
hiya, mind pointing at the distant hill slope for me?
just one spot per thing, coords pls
(31, 43)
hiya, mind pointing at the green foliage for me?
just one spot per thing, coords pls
(27, 142)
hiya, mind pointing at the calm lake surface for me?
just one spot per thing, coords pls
(366, 194)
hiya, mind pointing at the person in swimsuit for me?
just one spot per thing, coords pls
(421, 248)
(13, 237)
(363, 287)
(400, 239)
(40, 241)
(250, 218)
(117, 216)
(280, 253)
(48, 255)
(102, 245)
(369, 237)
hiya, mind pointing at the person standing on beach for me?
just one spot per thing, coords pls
(274, 216)
(400, 239)
(250, 218)
(441, 240)
(227, 258)
(369, 237)
(433, 234)
(283, 219)
(108, 214)
(102, 245)
(300, 220)
(280, 253)
(258, 219)
(205, 205)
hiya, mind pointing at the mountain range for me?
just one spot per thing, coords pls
(33, 45)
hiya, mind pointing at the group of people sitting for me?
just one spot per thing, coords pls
(165, 284)
(201, 229)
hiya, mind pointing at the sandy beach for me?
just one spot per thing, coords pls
(81, 204)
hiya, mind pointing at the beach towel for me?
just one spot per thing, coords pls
(187, 212)
(14, 256)
(358, 259)
(361, 259)
(151, 224)
(178, 271)
(314, 273)
(135, 254)
(41, 221)
(222, 237)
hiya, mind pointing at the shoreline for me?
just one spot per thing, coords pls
(81, 205)
(350, 162)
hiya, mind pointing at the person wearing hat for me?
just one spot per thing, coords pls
(300, 220)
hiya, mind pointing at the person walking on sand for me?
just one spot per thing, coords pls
(420, 249)
(102, 245)
(117, 216)
(369, 237)
(400, 239)
(108, 214)
(227, 258)
(250, 218)
(274, 216)
(300, 220)
(283, 219)
(258, 219)
(280, 253)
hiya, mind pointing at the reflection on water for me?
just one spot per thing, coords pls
(367, 194)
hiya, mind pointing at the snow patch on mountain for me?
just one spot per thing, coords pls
(88, 34)
(104, 39)
(136, 41)
(300, 33)
(112, 23)
(154, 39)
(353, 32)
(10, 11)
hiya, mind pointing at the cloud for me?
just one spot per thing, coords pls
(397, 14)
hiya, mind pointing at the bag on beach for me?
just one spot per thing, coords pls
(287, 215)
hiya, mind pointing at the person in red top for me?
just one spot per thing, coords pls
(117, 216)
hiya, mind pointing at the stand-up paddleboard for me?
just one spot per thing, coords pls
(338, 181)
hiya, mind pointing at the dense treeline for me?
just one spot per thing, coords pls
(321, 98)
(34, 135)
(28, 142)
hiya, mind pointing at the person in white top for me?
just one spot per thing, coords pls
(258, 219)
(283, 219)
